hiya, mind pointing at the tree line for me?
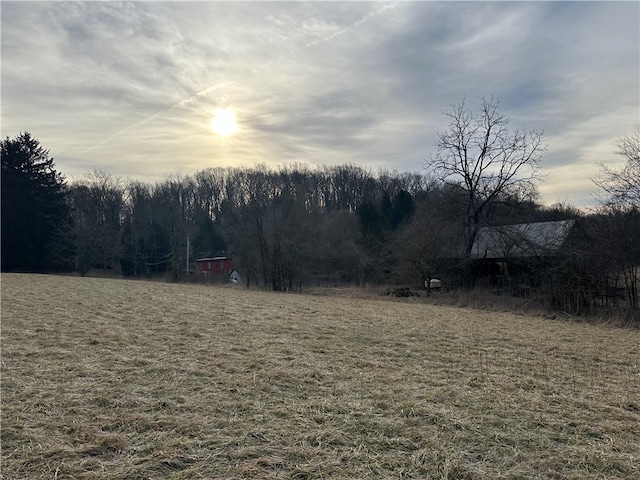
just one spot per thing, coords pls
(296, 225)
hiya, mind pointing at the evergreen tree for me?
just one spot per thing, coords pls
(403, 208)
(34, 211)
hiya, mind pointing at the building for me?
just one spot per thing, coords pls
(215, 266)
(518, 256)
(524, 240)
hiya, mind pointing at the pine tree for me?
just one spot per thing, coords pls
(34, 211)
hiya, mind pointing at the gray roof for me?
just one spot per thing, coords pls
(521, 240)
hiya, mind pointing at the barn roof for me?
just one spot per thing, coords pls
(521, 240)
(215, 255)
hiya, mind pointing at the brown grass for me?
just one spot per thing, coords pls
(106, 379)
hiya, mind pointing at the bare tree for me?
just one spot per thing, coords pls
(423, 247)
(622, 187)
(479, 155)
(97, 206)
(173, 202)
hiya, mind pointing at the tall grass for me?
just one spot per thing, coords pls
(106, 379)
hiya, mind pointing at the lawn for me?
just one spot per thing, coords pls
(118, 379)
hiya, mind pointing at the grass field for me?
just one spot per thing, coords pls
(116, 379)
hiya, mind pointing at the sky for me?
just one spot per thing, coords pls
(133, 88)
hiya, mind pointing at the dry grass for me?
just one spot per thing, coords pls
(106, 379)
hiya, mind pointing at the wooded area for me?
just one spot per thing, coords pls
(296, 225)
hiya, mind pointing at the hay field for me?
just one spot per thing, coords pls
(116, 379)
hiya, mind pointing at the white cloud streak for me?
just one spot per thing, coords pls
(181, 104)
(358, 22)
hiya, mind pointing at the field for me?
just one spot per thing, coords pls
(117, 379)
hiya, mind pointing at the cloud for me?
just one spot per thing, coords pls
(330, 31)
(132, 87)
(180, 104)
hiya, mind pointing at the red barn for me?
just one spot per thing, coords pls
(216, 266)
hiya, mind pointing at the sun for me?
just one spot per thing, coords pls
(224, 122)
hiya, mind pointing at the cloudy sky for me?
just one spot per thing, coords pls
(133, 88)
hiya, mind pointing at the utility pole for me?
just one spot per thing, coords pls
(187, 257)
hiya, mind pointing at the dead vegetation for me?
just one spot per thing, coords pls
(111, 379)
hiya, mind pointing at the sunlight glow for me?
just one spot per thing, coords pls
(224, 122)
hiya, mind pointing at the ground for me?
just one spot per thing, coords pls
(110, 379)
